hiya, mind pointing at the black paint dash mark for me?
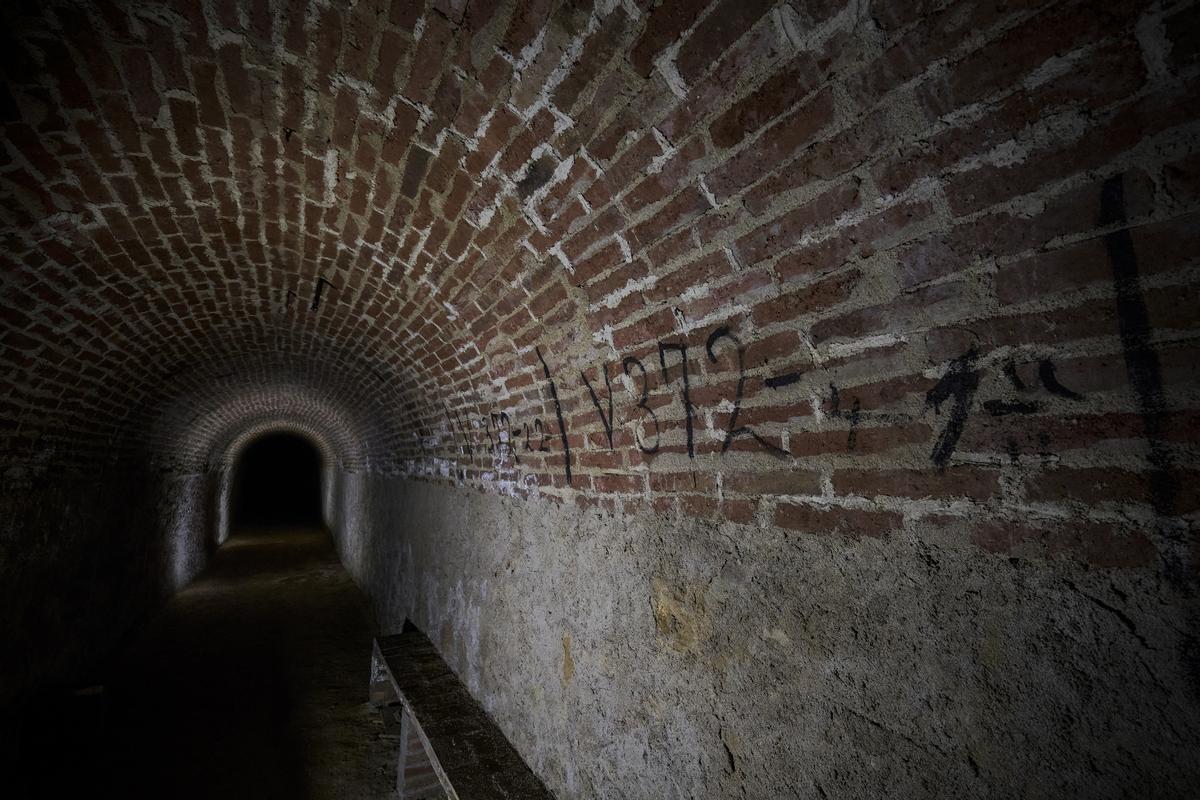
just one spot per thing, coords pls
(321, 284)
(1002, 408)
(835, 402)
(1050, 381)
(536, 176)
(1141, 360)
(1010, 369)
(855, 418)
(780, 381)
(562, 428)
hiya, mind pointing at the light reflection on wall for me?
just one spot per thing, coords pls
(347, 520)
(224, 496)
(183, 513)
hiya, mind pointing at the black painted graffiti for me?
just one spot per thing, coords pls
(1141, 360)
(451, 418)
(498, 430)
(1003, 408)
(1046, 376)
(540, 429)
(732, 430)
(961, 383)
(1049, 379)
(605, 419)
(854, 416)
(681, 348)
(318, 294)
(504, 437)
(321, 284)
(562, 428)
(958, 385)
(780, 381)
(956, 390)
(641, 403)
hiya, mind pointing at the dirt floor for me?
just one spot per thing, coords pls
(250, 684)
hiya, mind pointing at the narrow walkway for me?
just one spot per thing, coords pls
(252, 684)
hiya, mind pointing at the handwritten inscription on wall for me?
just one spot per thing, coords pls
(506, 436)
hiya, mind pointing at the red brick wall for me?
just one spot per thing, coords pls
(923, 259)
(809, 265)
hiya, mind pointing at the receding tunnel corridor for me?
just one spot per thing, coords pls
(277, 482)
(250, 683)
(615, 399)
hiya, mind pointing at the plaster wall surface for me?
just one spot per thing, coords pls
(647, 656)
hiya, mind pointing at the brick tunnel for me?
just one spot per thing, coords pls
(746, 398)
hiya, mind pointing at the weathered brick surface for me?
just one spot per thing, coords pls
(927, 261)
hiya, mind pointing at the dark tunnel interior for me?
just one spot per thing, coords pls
(277, 482)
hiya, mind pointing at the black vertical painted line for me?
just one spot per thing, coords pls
(681, 348)
(1141, 360)
(321, 284)
(562, 429)
(607, 422)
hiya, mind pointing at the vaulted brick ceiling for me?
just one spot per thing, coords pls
(380, 219)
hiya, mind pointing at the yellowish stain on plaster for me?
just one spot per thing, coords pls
(680, 613)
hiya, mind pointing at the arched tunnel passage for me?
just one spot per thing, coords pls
(277, 483)
(749, 397)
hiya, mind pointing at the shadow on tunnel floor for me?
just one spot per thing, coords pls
(250, 683)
